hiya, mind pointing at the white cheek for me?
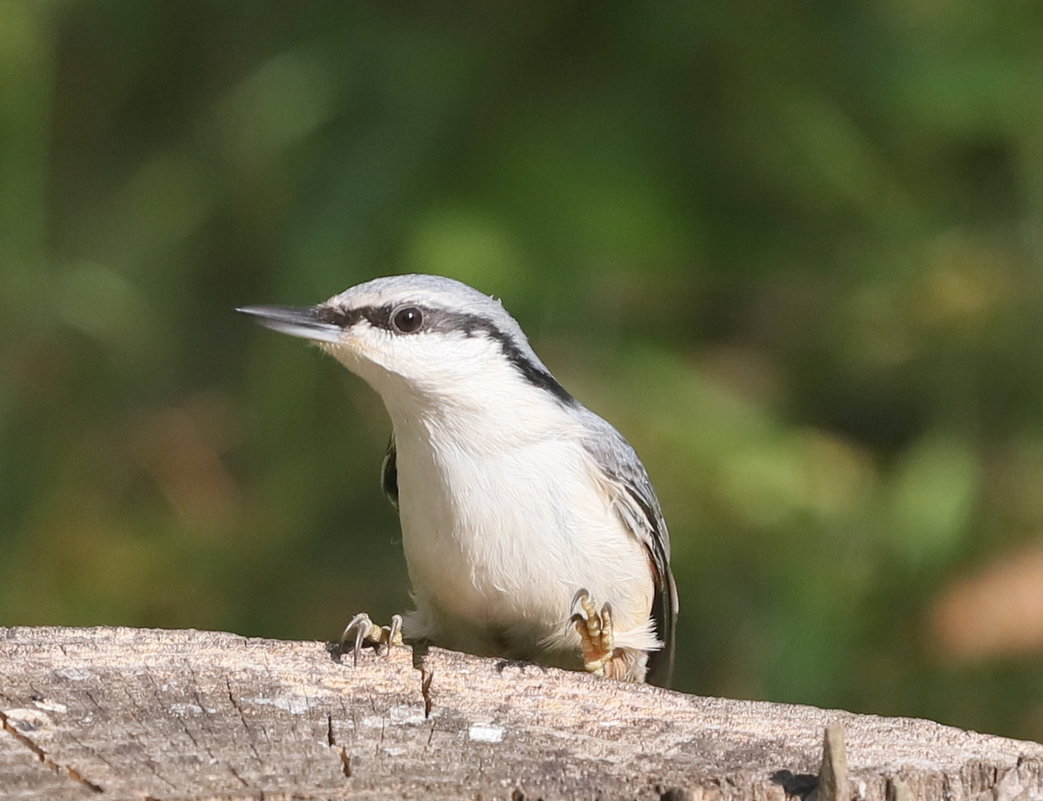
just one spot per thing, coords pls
(367, 356)
(425, 364)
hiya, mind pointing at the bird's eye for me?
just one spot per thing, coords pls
(407, 320)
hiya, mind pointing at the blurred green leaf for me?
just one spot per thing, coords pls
(932, 499)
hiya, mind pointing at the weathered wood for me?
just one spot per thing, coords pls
(115, 713)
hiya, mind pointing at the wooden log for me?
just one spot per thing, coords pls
(124, 713)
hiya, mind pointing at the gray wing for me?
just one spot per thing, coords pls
(389, 472)
(638, 508)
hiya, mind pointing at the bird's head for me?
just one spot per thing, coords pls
(421, 338)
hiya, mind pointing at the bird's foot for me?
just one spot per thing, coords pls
(366, 632)
(595, 634)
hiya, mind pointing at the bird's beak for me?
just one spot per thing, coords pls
(297, 322)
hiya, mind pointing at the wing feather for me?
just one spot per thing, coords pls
(638, 507)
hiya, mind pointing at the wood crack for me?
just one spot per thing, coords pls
(296, 725)
(342, 751)
(426, 677)
(62, 770)
(242, 718)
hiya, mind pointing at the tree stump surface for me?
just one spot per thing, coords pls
(119, 713)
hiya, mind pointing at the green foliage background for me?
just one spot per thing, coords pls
(793, 251)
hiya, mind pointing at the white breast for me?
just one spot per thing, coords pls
(498, 540)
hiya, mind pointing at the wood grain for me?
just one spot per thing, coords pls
(117, 713)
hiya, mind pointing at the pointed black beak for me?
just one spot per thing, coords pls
(304, 322)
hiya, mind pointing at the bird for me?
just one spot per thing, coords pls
(530, 527)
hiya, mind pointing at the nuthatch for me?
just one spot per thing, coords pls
(520, 508)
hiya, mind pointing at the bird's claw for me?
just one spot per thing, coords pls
(595, 632)
(366, 632)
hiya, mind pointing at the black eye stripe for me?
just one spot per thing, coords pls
(334, 316)
(377, 316)
(436, 320)
(433, 319)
